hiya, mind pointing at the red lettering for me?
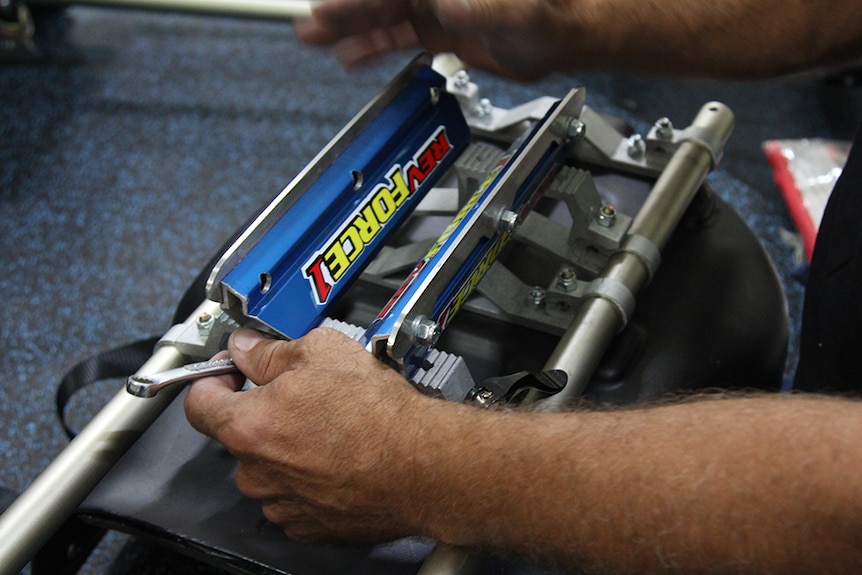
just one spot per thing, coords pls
(426, 161)
(314, 272)
(328, 267)
(440, 146)
(415, 177)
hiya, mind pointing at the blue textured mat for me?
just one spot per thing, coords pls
(143, 140)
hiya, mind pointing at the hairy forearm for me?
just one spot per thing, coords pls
(530, 38)
(722, 38)
(766, 484)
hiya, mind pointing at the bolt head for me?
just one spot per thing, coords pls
(483, 108)
(607, 216)
(509, 221)
(537, 297)
(204, 323)
(664, 129)
(462, 79)
(575, 129)
(566, 279)
(425, 331)
(636, 146)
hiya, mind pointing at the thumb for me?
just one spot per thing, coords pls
(209, 402)
(261, 357)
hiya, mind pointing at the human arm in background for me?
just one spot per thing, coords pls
(338, 446)
(531, 38)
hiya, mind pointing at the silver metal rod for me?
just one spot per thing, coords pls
(52, 498)
(264, 9)
(598, 321)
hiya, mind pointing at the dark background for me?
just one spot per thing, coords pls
(139, 141)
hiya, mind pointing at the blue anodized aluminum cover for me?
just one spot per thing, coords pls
(323, 242)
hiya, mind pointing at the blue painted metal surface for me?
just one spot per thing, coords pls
(290, 277)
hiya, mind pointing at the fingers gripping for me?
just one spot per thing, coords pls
(212, 401)
(212, 405)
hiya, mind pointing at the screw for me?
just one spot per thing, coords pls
(537, 297)
(435, 95)
(607, 216)
(509, 221)
(636, 146)
(566, 279)
(664, 129)
(485, 397)
(425, 331)
(204, 323)
(462, 79)
(483, 108)
(575, 129)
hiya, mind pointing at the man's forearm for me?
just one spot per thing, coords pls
(765, 484)
(530, 39)
(718, 39)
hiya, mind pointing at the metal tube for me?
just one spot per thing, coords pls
(45, 505)
(264, 9)
(598, 321)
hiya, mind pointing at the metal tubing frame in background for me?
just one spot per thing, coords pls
(264, 9)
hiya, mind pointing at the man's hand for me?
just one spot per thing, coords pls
(518, 38)
(325, 441)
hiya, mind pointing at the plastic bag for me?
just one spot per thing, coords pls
(806, 171)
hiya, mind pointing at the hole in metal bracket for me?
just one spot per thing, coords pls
(265, 282)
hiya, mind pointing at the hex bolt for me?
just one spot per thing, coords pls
(566, 279)
(664, 129)
(462, 79)
(607, 216)
(536, 298)
(425, 331)
(636, 146)
(204, 323)
(485, 397)
(483, 108)
(509, 221)
(575, 130)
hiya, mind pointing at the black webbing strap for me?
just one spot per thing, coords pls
(125, 360)
(121, 361)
